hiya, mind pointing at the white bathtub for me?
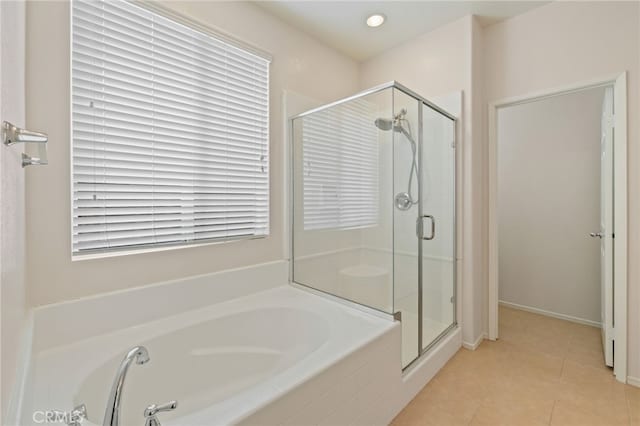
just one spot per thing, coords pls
(267, 358)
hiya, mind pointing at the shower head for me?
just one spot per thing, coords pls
(403, 200)
(384, 123)
(394, 123)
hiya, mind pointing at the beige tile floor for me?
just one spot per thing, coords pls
(542, 371)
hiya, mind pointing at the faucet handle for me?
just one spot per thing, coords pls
(154, 409)
(151, 411)
(77, 415)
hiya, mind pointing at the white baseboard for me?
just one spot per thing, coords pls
(633, 381)
(551, 314)
(474, 345)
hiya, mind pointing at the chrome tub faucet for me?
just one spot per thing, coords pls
(112, 413)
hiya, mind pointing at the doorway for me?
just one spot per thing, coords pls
(558, 211)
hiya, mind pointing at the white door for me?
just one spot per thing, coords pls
(606, 232)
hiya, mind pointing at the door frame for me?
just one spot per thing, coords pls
(619, 83)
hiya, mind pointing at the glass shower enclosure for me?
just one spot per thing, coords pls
(373, 208)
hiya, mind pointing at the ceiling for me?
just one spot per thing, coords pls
(341, 24)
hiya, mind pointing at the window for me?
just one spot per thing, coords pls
(340, 155)
(170, 132)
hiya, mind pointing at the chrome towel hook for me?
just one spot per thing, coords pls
(37, 141)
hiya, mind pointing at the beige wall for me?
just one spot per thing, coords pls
(434, 64)
(548, 202)
(300, 64)
(554, 45)
(12, 202)
(475, 179)
(564, 43)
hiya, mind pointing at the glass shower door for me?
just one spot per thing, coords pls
(436, 225)
(423, 223)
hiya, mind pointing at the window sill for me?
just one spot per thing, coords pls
(156, 249)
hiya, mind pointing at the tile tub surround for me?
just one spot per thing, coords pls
(542, 371)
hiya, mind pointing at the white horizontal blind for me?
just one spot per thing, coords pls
(170, 132)
(340, 154)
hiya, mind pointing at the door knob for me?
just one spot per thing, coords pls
(596, 234)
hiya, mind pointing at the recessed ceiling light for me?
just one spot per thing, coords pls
(375, 20)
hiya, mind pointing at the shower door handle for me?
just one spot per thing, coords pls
(420, 227)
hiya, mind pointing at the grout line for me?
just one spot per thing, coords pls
(475, 412)
(552, 409)
(628, 404)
